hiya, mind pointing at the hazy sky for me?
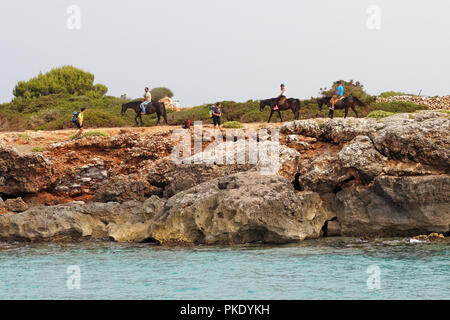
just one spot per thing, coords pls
(210, 50)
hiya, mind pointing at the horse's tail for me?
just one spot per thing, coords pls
(164, 112)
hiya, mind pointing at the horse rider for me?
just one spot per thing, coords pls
(147, 99)
(339, 95)
(281, 97)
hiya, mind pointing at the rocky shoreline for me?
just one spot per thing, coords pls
(340, 177)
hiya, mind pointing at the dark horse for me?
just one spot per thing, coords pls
(152, 107)
(346, 103)
(291, 103)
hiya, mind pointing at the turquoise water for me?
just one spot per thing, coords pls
(320, 269)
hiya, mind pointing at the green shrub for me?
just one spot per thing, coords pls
(378, 114)
(65, 80)
(232, 124)
(397, 106)
(24, 136)
(387, 94)
(38, 149)
(95, 134)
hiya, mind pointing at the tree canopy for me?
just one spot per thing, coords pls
(351, 88)
(66, 79)
(160, 92)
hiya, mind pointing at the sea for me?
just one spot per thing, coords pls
(325, 269)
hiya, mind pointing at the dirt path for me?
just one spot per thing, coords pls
(25, 141)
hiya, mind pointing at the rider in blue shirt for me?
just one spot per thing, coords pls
(338, 95)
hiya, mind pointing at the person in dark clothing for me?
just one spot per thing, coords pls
(216, 114)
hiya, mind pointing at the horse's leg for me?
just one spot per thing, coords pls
(279, 113)
(346, 112)
(354, 110)
(159, 118)
(135, 119)
(331, 114)
(140, 117)
(271, 113)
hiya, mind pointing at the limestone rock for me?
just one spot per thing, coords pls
(16, 205)
(240, 208)
(74, 221)
(396, 206)
(424, 139)
(361, 155)
(308, 128)
(23, 173)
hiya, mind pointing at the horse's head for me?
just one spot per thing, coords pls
(320, 103)
(262, 104)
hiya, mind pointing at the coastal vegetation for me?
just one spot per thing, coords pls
(232, 124)
(47, 102)
(38, 149)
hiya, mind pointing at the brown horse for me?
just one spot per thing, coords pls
(291, 103)
(346, 103)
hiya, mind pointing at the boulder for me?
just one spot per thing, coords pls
(309, 127)
(16, 205)
(344, 130)
(240, 208)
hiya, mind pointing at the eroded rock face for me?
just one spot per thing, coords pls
(361, 155)
(396, 206)
(424, 139)
(166, 177)
(23, 173)
(75, 221)
(389, 176)
(240, 208)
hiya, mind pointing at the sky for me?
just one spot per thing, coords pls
(214, 50)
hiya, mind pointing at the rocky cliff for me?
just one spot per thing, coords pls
(351, 177)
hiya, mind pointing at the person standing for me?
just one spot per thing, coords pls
(147, 99)
(216, 114)
(339, 95)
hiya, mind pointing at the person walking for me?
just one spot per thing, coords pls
(79, 122)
